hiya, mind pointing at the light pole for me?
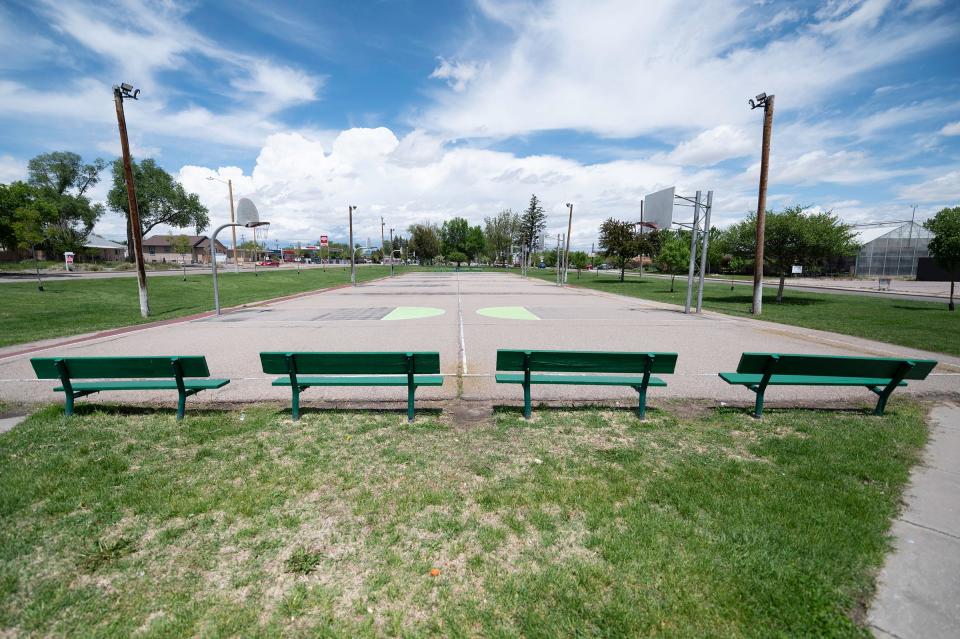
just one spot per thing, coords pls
(391, 252)
(229, 183)
(120, 93)
(566, 253)
(765, 101)
(353, 252)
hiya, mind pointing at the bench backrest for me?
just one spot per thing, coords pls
(834, 365)
(585, 361)
(352, 363)
(122, 367)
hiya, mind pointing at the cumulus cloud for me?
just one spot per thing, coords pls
(943, 188)
(953, 128)
(714, 145)
(11, 169)
(457, 73)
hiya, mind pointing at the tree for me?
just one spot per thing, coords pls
(424, 241)
(673, 257)
(13, 197)
(945, 245)
(453, 235)
(456, 256)
(795, 237)
(499, 232)
(160, 199)
(579, 260)
(619, 242)
(475, 244)
(61, 179)
(182, 245)
(531, 225)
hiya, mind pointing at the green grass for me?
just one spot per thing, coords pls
(69, 307)
(923, 325)
(122, 522)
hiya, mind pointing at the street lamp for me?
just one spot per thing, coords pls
(120, 93)
(765, 101)
(250, 218)
(229, 183)
(353, 252)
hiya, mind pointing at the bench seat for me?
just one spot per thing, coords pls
(596, 380)
(748, 379)
(361, 380)
(147, 384)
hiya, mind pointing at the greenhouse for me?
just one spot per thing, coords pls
(891, 250)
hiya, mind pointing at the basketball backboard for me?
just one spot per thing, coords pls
(658, 208)
(247, 213)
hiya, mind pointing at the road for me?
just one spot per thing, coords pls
(29, 276)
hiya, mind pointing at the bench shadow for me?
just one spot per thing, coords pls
(924, 309)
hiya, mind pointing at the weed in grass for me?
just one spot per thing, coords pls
(103, 552)
(303, 561)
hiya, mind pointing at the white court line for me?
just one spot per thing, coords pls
(463, 345)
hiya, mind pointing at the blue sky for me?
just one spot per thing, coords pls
(416, 110)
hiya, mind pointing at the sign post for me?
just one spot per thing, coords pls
(68, 260)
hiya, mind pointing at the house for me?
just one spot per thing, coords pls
(98, 248)
(161, 248)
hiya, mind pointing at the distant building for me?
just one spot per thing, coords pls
(159, 248)
(891, 250)
(99, 248)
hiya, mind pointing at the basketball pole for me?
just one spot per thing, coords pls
(566, 253)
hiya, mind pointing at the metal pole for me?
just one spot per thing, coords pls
(693, 251)
(641, 233)
(913, 247)
(233, 229)
(706, 243)
(391, 250)
(213, 265)
(353, 253)
(135, 230)
(566, 254)
(762, 206)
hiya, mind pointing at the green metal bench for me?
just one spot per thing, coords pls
(881, 375)
(583, 368)
(304, 370)
(134, 373)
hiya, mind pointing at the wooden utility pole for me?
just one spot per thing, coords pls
(119, 93)
(767, 102)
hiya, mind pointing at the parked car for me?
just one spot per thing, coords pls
(269, 263)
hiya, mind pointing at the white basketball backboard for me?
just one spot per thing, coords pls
(658, 208)
(247, 213)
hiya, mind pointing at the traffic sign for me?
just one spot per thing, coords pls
(323, 240)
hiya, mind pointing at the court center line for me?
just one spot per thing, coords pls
(463, 345)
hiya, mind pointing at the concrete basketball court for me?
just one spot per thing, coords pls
(467, 317)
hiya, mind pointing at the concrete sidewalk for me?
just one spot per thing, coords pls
(918, 594)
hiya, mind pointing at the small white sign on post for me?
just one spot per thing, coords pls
(797, 269)
(68, 260)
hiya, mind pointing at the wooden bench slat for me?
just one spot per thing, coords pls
(586, 380)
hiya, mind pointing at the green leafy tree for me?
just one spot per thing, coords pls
(424, 241)
(945, 245)
(13, 197)
(475, 244)
(181, 245)
(453, 235)
(673, 257)
(532, 223)
(793, 236)
(160, 200)
(619, 242)
(499, 232)
(579, 261)
(456, 256)
(549, 258)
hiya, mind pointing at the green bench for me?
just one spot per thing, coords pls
(304, 370)
(128, 373)
(881, 375)
(583, 368)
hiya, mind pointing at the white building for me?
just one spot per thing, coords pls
(891, 250)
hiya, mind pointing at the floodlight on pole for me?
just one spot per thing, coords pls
(120, 93)
(765, 101)
(353, 251)
(249, 218)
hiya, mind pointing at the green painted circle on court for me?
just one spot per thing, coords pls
(412, 312)
(507, 312)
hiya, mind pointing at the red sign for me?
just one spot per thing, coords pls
(323, 240)
(69, 259)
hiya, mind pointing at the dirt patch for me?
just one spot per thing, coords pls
(466, 415)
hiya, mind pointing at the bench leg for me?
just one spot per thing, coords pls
(295, 403)
(181, 405)
(758, 405)
(410, 392)
(642, 406)
(527, 410)
(884, 395)
(68, 404)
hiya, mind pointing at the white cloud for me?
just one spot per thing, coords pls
(944, 188)
(620, 68)
(11, 169)
(277, 85)
(457, 73)
(840, 167)
(714, 145)
(952, 128)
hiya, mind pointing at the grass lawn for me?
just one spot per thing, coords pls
(924, 325)
(582, 522)
(69, 307)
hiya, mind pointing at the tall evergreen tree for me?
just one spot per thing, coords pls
(532, 223)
